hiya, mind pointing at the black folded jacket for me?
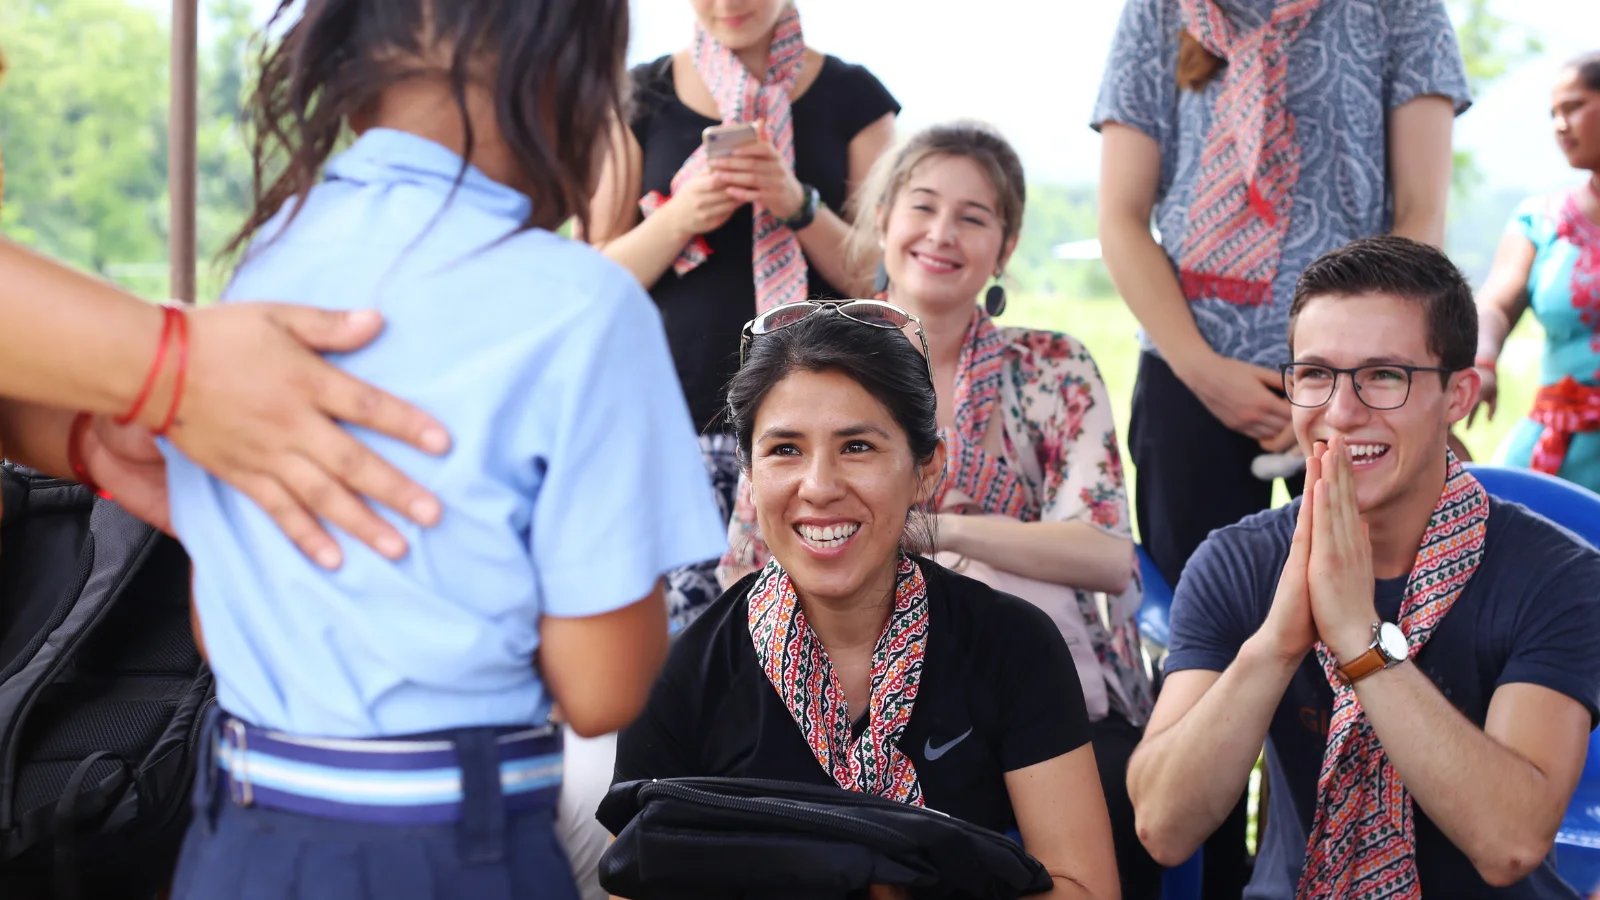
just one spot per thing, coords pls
(738, 838)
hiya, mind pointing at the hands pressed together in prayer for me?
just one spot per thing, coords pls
(1326, 590)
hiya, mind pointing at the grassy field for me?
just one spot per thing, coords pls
(1109, 331)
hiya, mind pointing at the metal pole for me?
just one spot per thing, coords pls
(181, 165)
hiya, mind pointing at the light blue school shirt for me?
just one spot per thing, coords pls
(574, 481)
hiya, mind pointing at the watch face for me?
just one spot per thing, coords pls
(1392, 642)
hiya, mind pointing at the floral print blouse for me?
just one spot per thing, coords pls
(1061, 463)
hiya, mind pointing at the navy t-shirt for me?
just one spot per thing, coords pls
(1530, 614)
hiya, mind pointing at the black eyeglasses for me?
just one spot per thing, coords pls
(1379, 387)
(876, 313)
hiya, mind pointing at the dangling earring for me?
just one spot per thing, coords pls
(880, 279)
(994, 300)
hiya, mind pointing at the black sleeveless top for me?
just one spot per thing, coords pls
(705, 310)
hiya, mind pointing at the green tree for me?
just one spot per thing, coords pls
(1490, 46)
(1057, 214)
(82, 119)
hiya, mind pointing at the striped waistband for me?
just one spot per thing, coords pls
(380, 780)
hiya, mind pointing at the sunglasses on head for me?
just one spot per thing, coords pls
(877, 313)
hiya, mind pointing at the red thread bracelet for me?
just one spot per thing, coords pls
(80, 469)
(183, 370)
(1483, 364)
(167, 323)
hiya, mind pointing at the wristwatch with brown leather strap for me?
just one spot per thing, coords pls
(1389, 648)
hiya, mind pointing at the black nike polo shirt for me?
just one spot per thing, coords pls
(999, 693)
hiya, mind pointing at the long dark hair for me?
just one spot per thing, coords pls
(555, 68)
(1197, 66)
(881, 360)
(1588, 69)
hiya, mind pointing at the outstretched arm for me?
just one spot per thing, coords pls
(260, 409)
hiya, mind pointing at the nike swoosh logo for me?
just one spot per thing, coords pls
(931, 753)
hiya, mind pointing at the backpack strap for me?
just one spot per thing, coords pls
(13, 499)
(116, 546)
(66, 820)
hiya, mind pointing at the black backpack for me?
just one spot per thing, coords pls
(747, 838)
(102, 694)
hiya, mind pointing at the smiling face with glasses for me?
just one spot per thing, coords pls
(1363, 369)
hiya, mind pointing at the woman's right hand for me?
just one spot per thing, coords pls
(1488, 395)
(1242, 396)
(702, 205)
(261, 410)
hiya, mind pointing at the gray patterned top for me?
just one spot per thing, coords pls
(1355, 61)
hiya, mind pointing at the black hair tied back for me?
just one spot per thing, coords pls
(881, 360)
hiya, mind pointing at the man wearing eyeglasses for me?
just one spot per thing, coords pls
(1419, 657)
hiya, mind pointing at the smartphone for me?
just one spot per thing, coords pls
(722, 140)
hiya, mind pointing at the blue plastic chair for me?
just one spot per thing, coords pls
(1574, 508)
(1155, 610)
(1577, 510)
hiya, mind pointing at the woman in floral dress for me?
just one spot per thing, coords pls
(1032, 498)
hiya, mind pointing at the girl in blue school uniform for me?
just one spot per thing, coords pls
(383, 730)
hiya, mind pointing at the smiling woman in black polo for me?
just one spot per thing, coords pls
(848, 661)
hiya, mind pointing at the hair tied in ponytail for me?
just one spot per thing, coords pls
(1197, 66)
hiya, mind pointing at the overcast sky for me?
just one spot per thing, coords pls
(1032, 67)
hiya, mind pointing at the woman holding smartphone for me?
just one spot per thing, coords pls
(721, 225)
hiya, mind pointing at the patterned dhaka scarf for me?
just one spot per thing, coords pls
(799, 670)
(780, 268)
(1363, 839)
(1240, 209)
(970, 469)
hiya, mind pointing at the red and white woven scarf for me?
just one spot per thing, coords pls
(970, 469)
(798, 668)
(780, 267)
(1363, 839)
(1242, 194)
